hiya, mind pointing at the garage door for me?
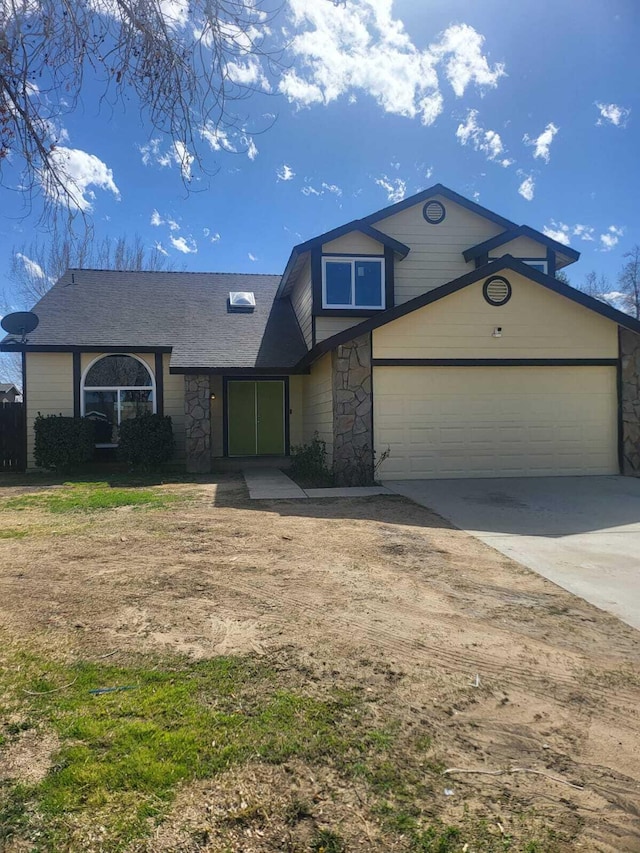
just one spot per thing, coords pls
(495, 421)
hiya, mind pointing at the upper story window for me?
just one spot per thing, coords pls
(353, 283)
(539, 265)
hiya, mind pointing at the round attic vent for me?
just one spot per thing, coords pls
(434, 212)
(496, 290)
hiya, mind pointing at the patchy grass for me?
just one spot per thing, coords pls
(13, 533)
(91, 496)
(124, 752)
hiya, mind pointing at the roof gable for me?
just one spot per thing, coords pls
(485, 271)
(438, 189)
(520, 231)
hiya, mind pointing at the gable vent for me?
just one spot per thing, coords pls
(434, 212)
(496, 290)
(241, 300)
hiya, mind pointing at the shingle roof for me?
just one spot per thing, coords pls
(4, 387)
(185, 311)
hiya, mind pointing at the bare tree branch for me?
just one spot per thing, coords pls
(182, 63)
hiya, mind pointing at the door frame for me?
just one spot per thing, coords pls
(225, 413)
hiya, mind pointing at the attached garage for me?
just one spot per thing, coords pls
(446, 422)
(469, 385)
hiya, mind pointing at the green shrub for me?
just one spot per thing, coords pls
(63, 443)
(309, 462)
(147, 441)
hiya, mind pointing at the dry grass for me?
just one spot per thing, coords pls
(303, 674)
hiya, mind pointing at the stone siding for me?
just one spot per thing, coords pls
(630, 357)
(352, 413)
(197, 422)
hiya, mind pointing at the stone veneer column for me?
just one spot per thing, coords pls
(352, 413)
(630, 357)
(197, 423)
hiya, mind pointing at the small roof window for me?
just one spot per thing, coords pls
(241, 300)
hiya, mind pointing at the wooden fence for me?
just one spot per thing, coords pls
(12, 445)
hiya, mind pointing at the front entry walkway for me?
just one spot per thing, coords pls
(582, 533)
(271, 483)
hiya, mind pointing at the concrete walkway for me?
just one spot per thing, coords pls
(274, 484)
(270, 483)
(582, 533)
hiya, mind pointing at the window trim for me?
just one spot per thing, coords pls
(544, 262)
(117, 388)
(352, 260)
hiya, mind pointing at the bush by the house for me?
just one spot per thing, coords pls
(147, 441)
(309, 463)
(63, 443)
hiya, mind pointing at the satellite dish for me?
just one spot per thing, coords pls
(20, 323)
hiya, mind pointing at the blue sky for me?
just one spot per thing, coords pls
(531, 108)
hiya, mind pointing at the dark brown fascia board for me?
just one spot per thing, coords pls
(123, 348)
(439, 189)
(479, 249)
(240, 371)
(507, 262)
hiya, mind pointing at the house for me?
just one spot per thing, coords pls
(434, 329)
(8, 393)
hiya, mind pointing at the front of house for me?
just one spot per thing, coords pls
(433, 332)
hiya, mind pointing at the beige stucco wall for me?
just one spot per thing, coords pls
(317, 404)
(436, 250)
(301, 299)
(495, 421)
(536, 323)
(49, 389)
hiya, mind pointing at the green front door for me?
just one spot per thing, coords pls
(256, 417)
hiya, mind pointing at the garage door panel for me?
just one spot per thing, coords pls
(495, 421)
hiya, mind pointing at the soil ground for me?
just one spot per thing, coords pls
(497, 667)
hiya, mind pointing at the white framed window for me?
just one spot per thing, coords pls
(113, 389)
(539, 265)
(353, 283)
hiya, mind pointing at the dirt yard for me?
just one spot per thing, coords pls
(469, 661)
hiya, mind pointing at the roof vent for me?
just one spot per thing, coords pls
(497, 290)
(241, 300)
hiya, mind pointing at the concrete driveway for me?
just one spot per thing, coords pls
(582, 533)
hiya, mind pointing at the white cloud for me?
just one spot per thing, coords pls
(186, 245)
(358, 46)
(527, 188)
(252, 258)
(160, 248)
(156, 219)
(558, 231)
(395, 188)
(613, 114)
(183, 159)
(248, 73)
(585, 232)
(332, 188)
(252, 148)
(285, 173)
(543, 142)
(486, 141)
(151, 154)
(611, 237)
(31, 267)
(77, 171)
(215, 238)
(309, 190)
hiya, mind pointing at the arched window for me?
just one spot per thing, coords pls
(115, 388)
